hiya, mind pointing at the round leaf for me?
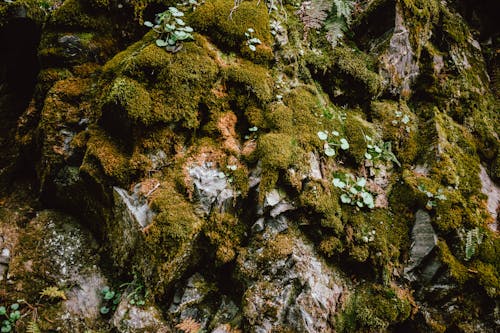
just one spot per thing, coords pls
(148, 24)
(161, 43)
(322, 135)
(329, 151)
(345, 198)
(344, 144)
(361, 182)
(338, 183)
(104, 310)
(252, 47)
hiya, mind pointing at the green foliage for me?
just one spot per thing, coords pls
(353, 190)
(432, 197)
(53, 293)
(33, 327)
(335, 141)
(251, 40)
(12, 315)
(379, 152)
(110, 299)
(138, 294)
(171, 29)
(473, 239)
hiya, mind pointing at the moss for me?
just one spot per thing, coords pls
(346, 74)
(373, 308)
(457, 270)
(106, 155)
(249, 79)
(228, 29)
(321, 199)
(280, 117)
(131, 97)
(489, 249)
(355, 130)
(399, 125)
(276, 151)
(488, 278)
(279, 248)
(73, 14)
(225, 232)
(175, 222)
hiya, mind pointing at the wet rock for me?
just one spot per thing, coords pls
(211, 186)
(133, 319)
(398, 63)
(424, 240)
(288, 286)
(492, 191)
(135, 204)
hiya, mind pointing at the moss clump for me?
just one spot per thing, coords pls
(107, 156)
(131, 97)
(457, 270)
(347, 75)
(175, 223)
(228, 29)
(276, 151)
(225, 232)
(399, 125)
(321, 199)
(74, 14)
(355, 130)
(373, 308)
(247, 79)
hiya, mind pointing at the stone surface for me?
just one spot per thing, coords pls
(424, 239)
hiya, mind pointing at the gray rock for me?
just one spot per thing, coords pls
(136, 205)
(492, 191)
(314, 167)
(211, 186)
(398, 63)
(424, 240)
(133, 319)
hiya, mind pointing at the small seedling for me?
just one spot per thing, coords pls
(333, 142)
(432, 197)
(110, 299)
(251, 40)
(171, 29)
(377, 152)
(353, 190)
(12, 314)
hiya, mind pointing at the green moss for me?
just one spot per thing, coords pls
(226, 29)
(373, 308)
(225, 232)
(276, 151)
(249, 79)
(488, 278)
(331, 246)
(355, 130)
(130, 96)
(175, 222)
(320, 198)
(398, 125)
(107, 156)
(346, 74)
(457, 270)
(73, 14)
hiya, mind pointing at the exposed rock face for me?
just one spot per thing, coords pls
(269, 175)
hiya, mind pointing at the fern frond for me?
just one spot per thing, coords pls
(53, 293)
(313, 14)
(470, 247)
(33, 327)
(343, 9)
(189, 325)
(335, 31)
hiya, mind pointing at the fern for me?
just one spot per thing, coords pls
(189, 325)
(473, 238)
(313, 14)
(343, 8)
(33, 327)
(335, 31)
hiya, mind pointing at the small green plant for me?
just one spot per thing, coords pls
(432, 197)
(252, 133)
(379, 152)
(110, 300)
(473, 238)
(171, 29)
(331, 143)
(402, 120)
(138, 293)
(251, 40)
(353, 190)
(12, 314)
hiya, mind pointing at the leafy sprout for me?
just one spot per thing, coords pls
(171, 29)
(331, 143)
(251, 40)
(353, 190)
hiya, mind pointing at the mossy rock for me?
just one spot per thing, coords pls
(227, 25)
(276, 151)
(248, 79)
(356, 128)
(225, 233)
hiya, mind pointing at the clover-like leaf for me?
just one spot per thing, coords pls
(252, 47)
(345, 198)
(361, 182)
(161, 43)
(322, 135)
(104, 310)
(148, 24)
(338, 183)
(344, 144)
(329, 151)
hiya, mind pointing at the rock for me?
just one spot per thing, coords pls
(398, 63)
(314, 167)
(424, 240)
(133, 319)
(136, 205)
(492, 191)
(211, 186)
(292, 289)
